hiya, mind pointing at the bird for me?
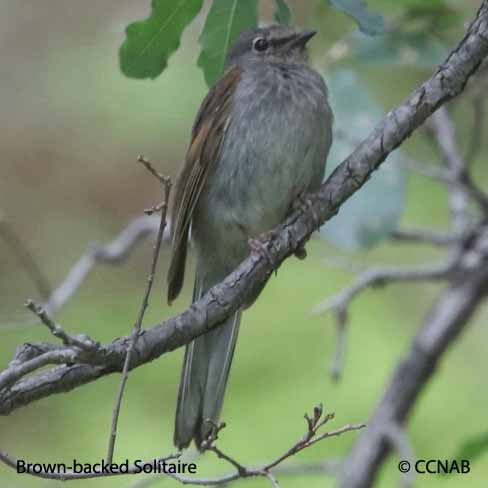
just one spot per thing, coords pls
(259, 143)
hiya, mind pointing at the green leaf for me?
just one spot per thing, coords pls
(373, 212)
(473, 447)
(225, 21)
(283, 13)
(150, 42)
(369, 22)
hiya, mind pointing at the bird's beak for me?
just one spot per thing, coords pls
(302, 38)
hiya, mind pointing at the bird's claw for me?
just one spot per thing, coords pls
(259, 246)
(303, 203)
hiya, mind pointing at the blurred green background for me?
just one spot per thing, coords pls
(71, 128)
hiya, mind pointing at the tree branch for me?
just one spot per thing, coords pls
(311, 437)
(383, 276)
(112, 253)
(461, 186)
(370, 278)
(424, 236)
(442, 325)
(225, 298)
(162, 207)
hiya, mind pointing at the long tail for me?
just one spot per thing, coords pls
(204, 378)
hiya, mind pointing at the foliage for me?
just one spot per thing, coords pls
(473, 448)
(369, 22)
(226, 19)
(371, 214)
(150, 42)
(283, 13)
(83, 95)
(374, 212)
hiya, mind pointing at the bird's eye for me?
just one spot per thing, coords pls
(260, 44)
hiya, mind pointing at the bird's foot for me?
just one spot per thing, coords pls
(259, 245)
(303, 203)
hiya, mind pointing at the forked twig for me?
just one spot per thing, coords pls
(311, 437)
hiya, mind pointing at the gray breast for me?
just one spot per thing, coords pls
(275, 147)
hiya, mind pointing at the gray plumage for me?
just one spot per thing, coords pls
(272, 148)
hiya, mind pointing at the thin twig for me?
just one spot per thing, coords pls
(370, 278)
(148, 165)
(448, 81)
(12, 374)
(383, 276)
(272, 480)
(166, 182)
(328, 467)
(84, 343)
(435, 173)
(314, 423)
(265, 471)
(114, 252)
(462, 187)
(12, 462)
(424, 236)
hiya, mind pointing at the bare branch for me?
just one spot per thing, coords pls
(424, 236)
(148, 165)
(381, 277)
(370, 278)
(114, 252)
(225, 298)
(265, 471)
(312, 436)
(435, 173)
(82, 342)
(327, 468)
(442, 325)
(14, 373)
(12, 462)
(166, 186)
(462, 187)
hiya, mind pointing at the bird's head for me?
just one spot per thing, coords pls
(276, 43)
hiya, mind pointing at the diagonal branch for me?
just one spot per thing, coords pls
(225, 298)
(442, 325)
(114, 252)
(374, 277)
(461, 185)
(382, 276)
(423, 236)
